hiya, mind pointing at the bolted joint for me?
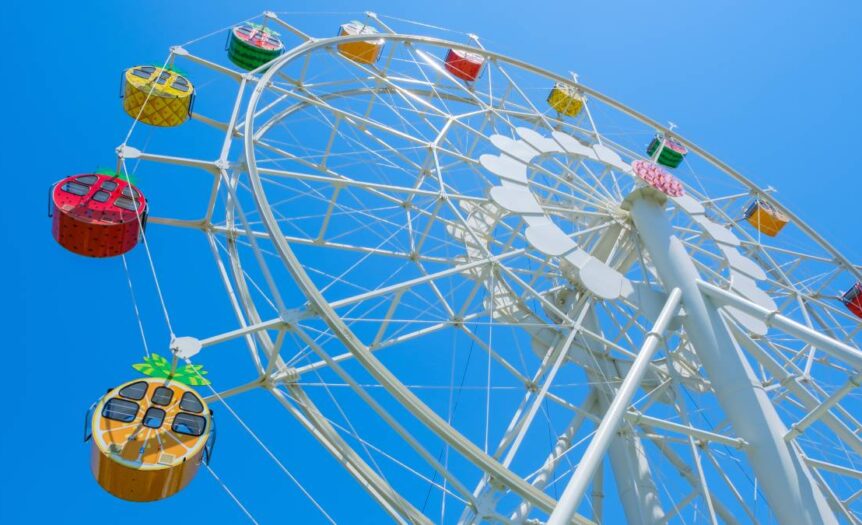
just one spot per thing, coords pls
(284, 375)
(291, 317)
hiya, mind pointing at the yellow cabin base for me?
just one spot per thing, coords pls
(141, 485)
(159, 111)
(565, 100)
(362, 52)
(766, 222)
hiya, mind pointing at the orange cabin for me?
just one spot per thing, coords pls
(97, 215)
(464, 65)
(362, 51)
(765, 218)
(149, 437)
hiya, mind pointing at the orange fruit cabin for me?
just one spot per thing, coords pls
(149, 437)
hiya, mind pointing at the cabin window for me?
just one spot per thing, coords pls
(126, 204)
(148, 69)
(244, 30)
(120, 410)
(180, 84)
(191, 403)
(109, 185)
(135, 391)
(162, 396)
(163, 77)
(128, 191)
(188, 424)
(87, 179)
(154, 417)
(75, 189)
(141, 73)
(101, 196)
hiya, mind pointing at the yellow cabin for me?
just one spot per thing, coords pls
(566, 100)
(765, 218)
(156, 96)
(363, 51)
(149, 437)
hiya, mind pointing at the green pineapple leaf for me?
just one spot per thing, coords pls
(158, 366)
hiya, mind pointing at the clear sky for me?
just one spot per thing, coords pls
(771, 88)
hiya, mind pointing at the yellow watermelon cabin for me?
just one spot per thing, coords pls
(149, 438)
(157, 96)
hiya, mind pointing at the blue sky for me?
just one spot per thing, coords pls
(773, 92)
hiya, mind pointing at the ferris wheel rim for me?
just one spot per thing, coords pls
(277, 382)
(755, 189)
(311, 291)
(261, 199)
(394, 386)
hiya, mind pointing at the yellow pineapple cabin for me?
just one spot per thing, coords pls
(156, 96)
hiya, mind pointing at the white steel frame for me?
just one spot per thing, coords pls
(783, 471)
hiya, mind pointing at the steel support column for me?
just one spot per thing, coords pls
(793, 494)
(633, 478)
(570, 500)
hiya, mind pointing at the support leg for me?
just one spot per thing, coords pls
(793, 494)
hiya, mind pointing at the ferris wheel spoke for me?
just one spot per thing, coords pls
(181, 52)
(562, 446)
(403, 433)
(128, 152)
(803, 394)
(324, 244)
(354, 119)
(399, 463)
(354, 138)
(722, 474)
(412, 100)
(359, 225)
(274, 297)
(542, 381)
(686, 472)
(833, 497)
(308, 415)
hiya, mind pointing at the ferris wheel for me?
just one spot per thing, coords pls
(491, 292)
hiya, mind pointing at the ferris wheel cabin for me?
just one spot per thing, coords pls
(852, 299)
(666, 151)
(765, 218)
(97, 215)
(149, 437)
(251, 46)
(566, 99)
(361, 51)
(464, 65)
(156, 96)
